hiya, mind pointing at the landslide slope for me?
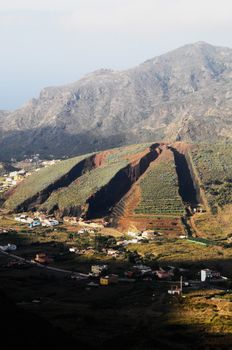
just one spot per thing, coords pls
(184, 94)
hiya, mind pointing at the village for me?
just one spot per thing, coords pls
(23, 169)
(114, 260)
(84, 273)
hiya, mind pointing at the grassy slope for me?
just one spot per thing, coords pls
(89, 183)
(214, 165)
(79, 191)
(38, 181)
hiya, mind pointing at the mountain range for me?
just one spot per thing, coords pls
(185, 94)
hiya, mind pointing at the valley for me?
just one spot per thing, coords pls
(149, 220)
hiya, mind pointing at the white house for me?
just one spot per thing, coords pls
(207, 273)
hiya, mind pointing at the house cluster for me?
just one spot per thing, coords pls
(32, 158)
(12, 179)
(144, 272)
(101, 272)
(88, 250)
(41, 220)
(138, 271)
(86, 225)
(47, 163)
(139, 237)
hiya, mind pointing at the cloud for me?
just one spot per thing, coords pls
(148, 16)
(129, 17)
(37, 5)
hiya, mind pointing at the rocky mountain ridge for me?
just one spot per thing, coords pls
(182, 95)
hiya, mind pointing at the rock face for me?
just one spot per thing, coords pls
(185, 94)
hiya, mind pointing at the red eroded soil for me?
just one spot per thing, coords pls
(181, 147)
(100, 158)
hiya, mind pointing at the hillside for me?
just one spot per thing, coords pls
(37, 187)
(147, 185)
(184, 95)
(214, 166)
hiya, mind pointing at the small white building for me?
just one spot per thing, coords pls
(132, 234)
(149, 234)
(72, 249)
(207, 274)
(50, 222)
(13, 174)
(98, 269)
(175, 290)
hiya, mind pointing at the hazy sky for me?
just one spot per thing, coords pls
(52, 42)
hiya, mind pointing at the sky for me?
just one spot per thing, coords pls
(55, 42)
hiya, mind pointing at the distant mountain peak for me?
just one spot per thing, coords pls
(184, 93)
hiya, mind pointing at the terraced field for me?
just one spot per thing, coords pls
(214, 165)
(159, 190)
(153, 201)
(78, 193)
(141, 185)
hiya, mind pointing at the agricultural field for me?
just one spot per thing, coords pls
(215, 226)
(40, 180)
(126, 153)
(159, 190)
(213, 163)
(80, 190)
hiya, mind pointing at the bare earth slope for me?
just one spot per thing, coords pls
(184, 94)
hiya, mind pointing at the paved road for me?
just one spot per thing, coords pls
(77, 274)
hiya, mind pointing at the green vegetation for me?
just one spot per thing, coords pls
(79, 191)
(126, 152)
(214, 165)
(40, 180)
(159, 191)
